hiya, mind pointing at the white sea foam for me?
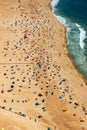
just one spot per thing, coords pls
(82, 35)
(54, 3)
(61, 19)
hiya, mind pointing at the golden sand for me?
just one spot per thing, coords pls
(40, 89)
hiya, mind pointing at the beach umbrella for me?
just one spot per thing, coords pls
(4, 74)
(74, 114)
(40, 94)
(9, 90)
(61, 96)
(82, 120)
(64, 109)
(76, 103)
(16, 47)
(43, 100)
(52, 93)
(2, 128)
(37, 103)
(44, 109)
(13, 82)
(40, 116)
(4, 101)
(12, 86)
(85, 112)
(10, 109)
(47, 86)
(55, 87)
(24, 115)
(3, 107)
(75, 106)
(45, 76)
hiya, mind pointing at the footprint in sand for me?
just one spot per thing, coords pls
(11, 127)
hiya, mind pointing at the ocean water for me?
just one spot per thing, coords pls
(73, 14)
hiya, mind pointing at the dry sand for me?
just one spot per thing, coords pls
(40, 88)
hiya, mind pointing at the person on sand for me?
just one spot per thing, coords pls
(2, 91)
(36, 120)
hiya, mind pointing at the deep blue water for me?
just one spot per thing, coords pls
(73, 14)
(74, 9)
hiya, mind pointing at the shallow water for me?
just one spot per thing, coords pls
(74, 16)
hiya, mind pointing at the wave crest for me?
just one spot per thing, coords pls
(54, 3)
(82, 35)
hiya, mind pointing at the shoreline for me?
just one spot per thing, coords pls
(48, 93)
(68, 53)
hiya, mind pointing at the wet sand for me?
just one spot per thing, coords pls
(40, 88)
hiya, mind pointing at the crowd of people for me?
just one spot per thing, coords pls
(29, 74)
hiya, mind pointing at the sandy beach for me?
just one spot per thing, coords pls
(40, 87)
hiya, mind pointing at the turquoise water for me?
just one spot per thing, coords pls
(74, 16)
